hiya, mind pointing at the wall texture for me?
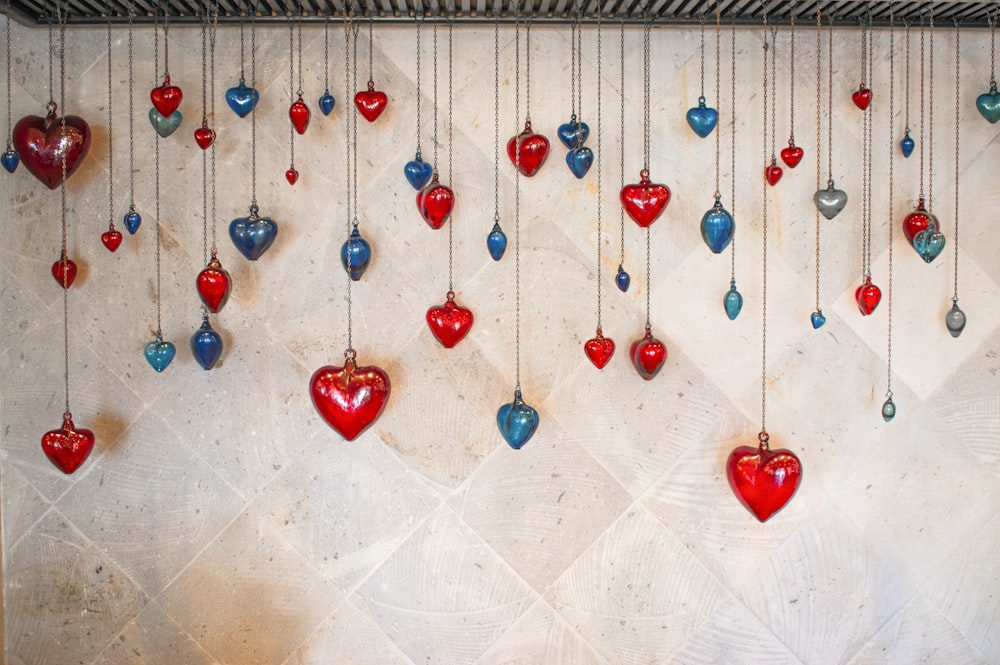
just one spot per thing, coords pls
(219, 520)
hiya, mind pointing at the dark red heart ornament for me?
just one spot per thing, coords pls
(371, 102)
(791, 155)
(167, 98)
(868, 296)
(42, 142)
(292, 176)
(529, 156)
(764, 480)
(68, 447)
(64, 271)
(111, 239)
(435, 203)
(917, 221)
(449, 323)
(299, 114)
(599, 349)
(773, 174)
(862, 97)
(204, 137)
(648, 355)
(349, 398)
(214, 285)
(644, 201)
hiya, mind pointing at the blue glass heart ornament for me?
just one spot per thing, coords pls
(355, 255)
(574, 133)
(907, 144)
(242, 99)
(253, 235)
(418, 172)
(10, 159)
(517, 422)
(132, 221)
(579, 161)
(817, 319)
(206, 345)
(622, 279)
(717, 227)
(496, 241)
(702, 119)
(165, 126)
(732, 301)
(159, 354)
(988, 104)
(326, 103)
(929, 243)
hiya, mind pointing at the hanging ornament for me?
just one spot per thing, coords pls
(10, 159)
(64, 271)
(204, 136)
(214, 285)
(829, 206)
(449, 323)
(242, 99)
(355, 253)
(418, 172)
(527, 151)
(792, 154)
(298, 112)
(906, 144)
(862, 97)
(112, 238)
(371, 102)
(68, 447)
(622, 278)
(574, 133)
(717, 225)
(326, 101)
(772, 172)
(579, 158)
(889, 406)
(955, 320)
(131, 219)
(830, 201)
(868, 295)
(988, 103)
(496, 239)
(732, 301)
(206, 345)
(436, 201)
(702, 119)
(165, 116)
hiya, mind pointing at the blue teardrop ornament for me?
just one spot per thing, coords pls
(496, 242)
(702, 119)
(579, 161)
(242, 99)
(573, 133)
(733, 301)
(717, 227)
(206, 345)
(326, 103)
(418, 172)
(356, 254)
(622, 279)
(907, 144)
(888, 409)
(159, 354)
(10, 160)
(817, 319)
(132, 220)
(517, 421)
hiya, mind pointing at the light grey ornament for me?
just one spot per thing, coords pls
(955, 319)
(830, 201)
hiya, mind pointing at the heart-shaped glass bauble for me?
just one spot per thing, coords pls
(165, 125)
(830, 201)
(645, 200)
(242, 99)
(574, 133)
(817, 319)
(159, 354)
(370, 103)
(988, 104)
(43, 144)
(919, 220)
(68, 447)
(449, 323)
(253, 235)
(868, 296)
(648, 355)
(579, 161)
(599, 349)
(702, 119)
(349, 398)
(929, 243)
(418, 172)
(166, 98)
(435, 203)
(763, 480)
(517, 422)
(527, 151)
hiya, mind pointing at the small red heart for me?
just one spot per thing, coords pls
(68, 447)
(64, 272)
(917, 221)
(773, 174)
(599, 350)
(435, 203)
(534, 148)
(868, 296)
(299, 114)
(214, 285)
(644, 201)
(349, 398)
(763, 480)
(449, 323)
(111, 239)
(166, 98)
(648, 355)
(371, 102)
(42, 143)
(862, 97)
(292, 176)
(791, 156)
(204, 137)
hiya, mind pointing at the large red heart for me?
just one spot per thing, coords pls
(792, 155)
(204, 137)
(299, 114)
(435, 203)
(917, 221)
(371, 102)
(648, 355)
(862, 97)
(529, 156)
(166, 98)
(773, 174)
(764, 480)
(214, 285)
(64, 271)
(868, 296)
(111, 239)
(68, 447)
(644, 201)
(43, 142)
(349, 398)
(599, 349)
(449, 323)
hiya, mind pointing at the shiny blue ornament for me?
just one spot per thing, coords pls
(253, 235)
(573, 133)
(496, 241)
(418, 172)
(702, 119)
(817, 319)
(326, 103)
(733, 301)
(888, 409)
(622, 279)
(717, 227)
(988, 104)
(356, 254)
(579, 161)
(165, 126)
(517, 421)
(242, 99)
(907, 144)
(206, 345)
(159, 353)
(929, 244)
(132, 220)
(10, 160)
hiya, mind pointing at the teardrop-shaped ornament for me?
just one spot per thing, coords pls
(206, 345)
(132, 221)
(919, 220)
(355, 255)
(622, 279)
(214, 285)
(717, 227)
(955, 319)
(10, 159)
(888, 409)
(496, 241)
(907, 144)
(326, 103)
(299, 114)
(733, 301)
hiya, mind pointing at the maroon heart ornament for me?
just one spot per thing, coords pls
(792, 155)
(435, 203)
(214, 285)
(449, 323)
(764, 480)
(349, 398)
(648, 355)
(868, 296)
(917, 221)
(204, 137)
(599, 349)
(64, 271)
(68, 447)
(529, 156)
(862, 97)
(371, 102)
(299, 114)
(111, 239)
(166, 98)
(43, 142)
(773, 174)
(292, 176)
(644, 201)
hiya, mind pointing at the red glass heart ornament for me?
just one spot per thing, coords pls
(292, 176)
(204, 137)
(773, 174)
(648, 355)
(527, 151)
(214, 285)
(166, 98)
(644, 201)
(111, 239)
(349, 398)
(371, 102)
(868, 296)
(435, 203)
(862, 97)
(764, 480)
(449, 323)
(43, 142)
(918, 220)
(599, 349)
(68, 447)
(299, 114)
(64, 271)
(791, 155)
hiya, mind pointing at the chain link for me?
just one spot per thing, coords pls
(819, 129)
(892, 114)
(291, 85)
(496, 114)
(647, 23)
(434, 114)
(62, 61)
(62, 191)
(906, 79)
(253, 115)
(354, 130)
(621, 145)
(718, 100)
(326, 53)
(701, 68)
(732, 164)
(212, 42)
(10, 125)
(791, 77)
(574, 27)
(350, 146)
(111, 145)
(52, 51)
(600, 168)
(298, 21)
(864, 50)
(922, 109)
(371, 47)
(517, 197)
(242, 45)
(993, 52)
(527, 71)
(204, 123)
(420, 21)
(958, 100)
(865, 186)
(166, 43)
(829, 100)
(930, 117)
(451, 250)
(774, 92)
(156, 191)
(579, 80)
(131, 110)
(763, 295)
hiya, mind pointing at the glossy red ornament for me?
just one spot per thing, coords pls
(111, 239)
(204, 137)
(449, 323)
(791, 155)
(166, 98)
(64, 271)
(435, 203)
(299, 114)
(917, 221)
(764, 480)
(862, 97)
(773, 174)
(214, 285)
(644, 201)
(41, 144)
(534, 148)
(349, 398)
(68, 447)
(648, 355)
(599, 349)
(371, 102)
(292, 176)
(868, 296)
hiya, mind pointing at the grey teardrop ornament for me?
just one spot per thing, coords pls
(830, 201)
(888, 409)
(955, 320)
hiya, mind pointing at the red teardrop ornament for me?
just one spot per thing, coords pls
(111, 239)
(166, 98)
(917, 221)
(42, 143)
(349, 398)
(648, 355)
(214, 285)
(792, 155)
(862, 97)
(868, 296)
(68, 447)
(644, 201)
(371, 102)
(204, 137)
(292, 176)
(449, 323)
(299, 114)
(599, 349)
(435, 203)
(534, 148)
(773, 174)
(764, 480)
(64, 272)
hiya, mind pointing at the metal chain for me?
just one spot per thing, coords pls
(62, 190)
(774, 92)
(621, 145)
(579, 81)
(242, 46)
(496, 115)
(253, 116)
(864, 50)
(732, 165)
(10, 125)
(156, 193)
(111, 146)
(958, 99)
(212, 42)
(371, 46)
(451, 251)
(349, 169)
(791, 77)
(291, 85)
(204, 123)
(354, 131)
(166, 44)
(131, 110)
(517, 205)
(993, 52)
(701, 75)
(906, 79)
(419, 21)
(718, 138)
(600, 169)
(892, 114)
(865, 194)
(62, 61)
(646, 25)
(930, 118)
(574, 26)
(326, 53)
(829, 100)
(298, 21)
(763, 298)
(527, 72)
(922, 109)
(52, 88)
(819, 126)
(434, 114)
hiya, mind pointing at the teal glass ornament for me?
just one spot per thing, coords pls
(888, 409)
(732, 301)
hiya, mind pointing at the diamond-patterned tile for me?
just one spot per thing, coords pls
(153, 637)
(353, 637)
(541, 636)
